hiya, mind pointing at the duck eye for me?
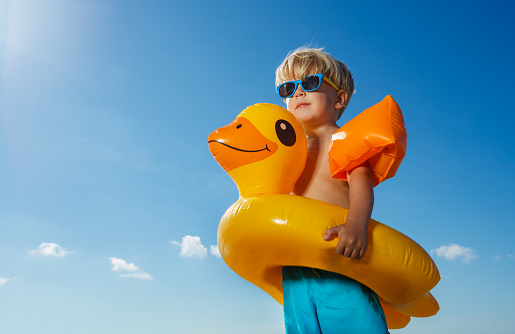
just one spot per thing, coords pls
(285, 132)
(238, 126)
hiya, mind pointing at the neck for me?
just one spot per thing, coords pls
(321, 132)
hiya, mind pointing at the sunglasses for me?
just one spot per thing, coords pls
(308, 84)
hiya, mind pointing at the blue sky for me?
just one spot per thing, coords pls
(110, 199)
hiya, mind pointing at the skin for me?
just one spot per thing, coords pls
(317, 112)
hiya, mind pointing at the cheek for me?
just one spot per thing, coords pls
(289, 105)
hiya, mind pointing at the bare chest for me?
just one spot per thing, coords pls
(316, 182)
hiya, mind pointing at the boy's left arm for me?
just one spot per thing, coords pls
(352, 235)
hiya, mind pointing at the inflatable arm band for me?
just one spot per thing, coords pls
(377, 134)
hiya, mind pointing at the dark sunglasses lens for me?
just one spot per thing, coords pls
(311, 83)
(286, 89)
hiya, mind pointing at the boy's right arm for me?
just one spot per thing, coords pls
(352, 235)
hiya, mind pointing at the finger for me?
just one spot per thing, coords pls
(356, 255)
(352, 253)
(348, 252)
(362, 253)
(340, 247)
(330, 234)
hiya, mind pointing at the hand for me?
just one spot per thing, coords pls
(352, 241)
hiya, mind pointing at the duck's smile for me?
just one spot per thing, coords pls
(239, 149)
(241, 144)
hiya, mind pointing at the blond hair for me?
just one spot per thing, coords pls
(306, 61)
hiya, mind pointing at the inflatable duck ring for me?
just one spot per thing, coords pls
(264, 151)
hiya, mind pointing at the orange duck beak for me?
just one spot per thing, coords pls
(239, 143)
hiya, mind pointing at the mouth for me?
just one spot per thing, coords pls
(301, 105)
(239, 149)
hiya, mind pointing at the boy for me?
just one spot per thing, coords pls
(317, 88)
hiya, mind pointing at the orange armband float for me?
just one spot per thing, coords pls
(377, 134)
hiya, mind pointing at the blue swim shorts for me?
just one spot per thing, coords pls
(318, 301)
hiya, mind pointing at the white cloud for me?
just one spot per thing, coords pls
(120, 265)
(140, 275)
(453, 252)
(50, 249)
(4, 280)
(511, 256)
(191, 247)
(214, 250)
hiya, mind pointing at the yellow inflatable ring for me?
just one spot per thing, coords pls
(264, 151)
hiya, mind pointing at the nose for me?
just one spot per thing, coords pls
(299, 92)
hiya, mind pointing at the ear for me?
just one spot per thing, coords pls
(341, 98)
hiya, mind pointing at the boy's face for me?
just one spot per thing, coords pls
(316, 108)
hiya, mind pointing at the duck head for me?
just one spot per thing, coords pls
(263, 150)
